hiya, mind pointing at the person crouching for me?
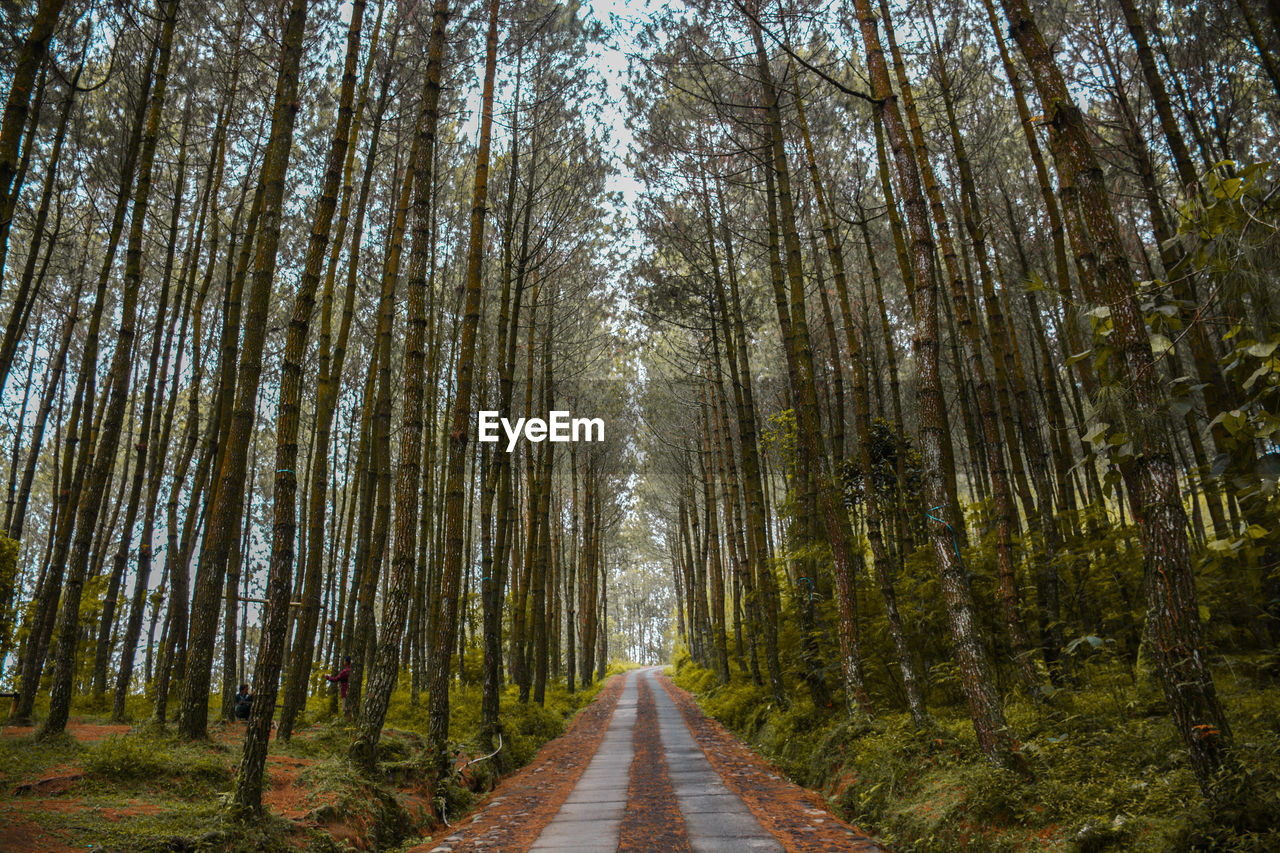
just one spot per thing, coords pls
(244, 702)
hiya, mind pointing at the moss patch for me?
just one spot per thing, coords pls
(1111, 774)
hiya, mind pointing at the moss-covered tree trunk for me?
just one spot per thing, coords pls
(760, 567)
(808, 422)
(247, 794)
(27, 64)
(80, 427)
(386, 662)
(223, 528)
(1173, 620)
(337, 166)
(156, 367)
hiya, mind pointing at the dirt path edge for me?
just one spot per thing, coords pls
(516, 812)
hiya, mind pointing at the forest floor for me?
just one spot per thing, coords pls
(112, 787)
(108, 787)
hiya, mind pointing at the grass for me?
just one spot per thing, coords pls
(1110, 772)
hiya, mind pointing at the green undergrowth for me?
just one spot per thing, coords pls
(1110, 772)
(144, 789)
(154, 761)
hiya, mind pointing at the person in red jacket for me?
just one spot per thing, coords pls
(341, 679)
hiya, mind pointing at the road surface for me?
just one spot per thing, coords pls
(642, 769)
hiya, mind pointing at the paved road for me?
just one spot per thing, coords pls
(591, 818)
(715, 819)
(644, 770)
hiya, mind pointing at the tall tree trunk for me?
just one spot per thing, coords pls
(222, 530)
(55, 371)
(862, 428)
(809, 430)
(744, 401)
(382, 678)
(337, 166)
(714, 561)
(989, 406)
(543, 581)
(1173, 620)
(24, 299)
(493, 583)
(155, 373)
(994, 737)
(28, 62)
(451, 573)
(117, 398)
(247, 794)
(80, 427)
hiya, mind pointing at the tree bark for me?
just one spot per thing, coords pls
(117, 398)
(1172, 615)
(451, 574)
(808, 424)
(30, 59)
(994, 737)
(337, 165)
(382, 678)
(222, 530)
(247, 794)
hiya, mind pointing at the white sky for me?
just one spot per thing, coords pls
(621, 18)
